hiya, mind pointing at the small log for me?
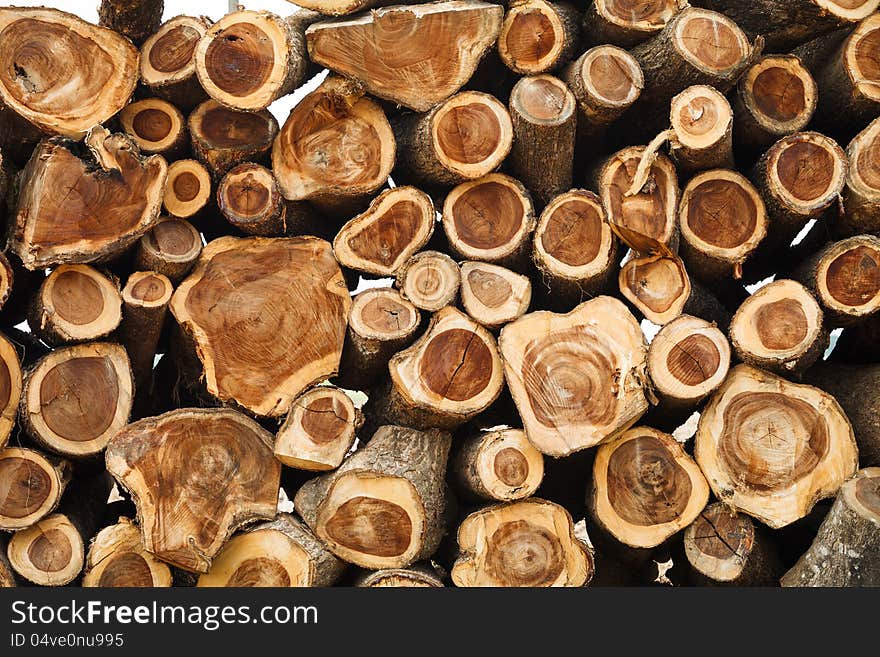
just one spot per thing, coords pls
(167, 62)
(861, 196)
(156, 126)
(319, 430)
(61, 73)
(397, 224)
(493, 540)
(75, 303)
(10, 388)
(645, 488)
(490, 219)
(779, 328)
(53, 411)
(222, 137)
(449, 375)
(335, 149)
(725, 548)
(538, 36)
(494, 296)
(170, 248)
(544, 115)
(429, 280)
(115, 194)
(134, 19)
(417, 575)
(627, 23)
(702, 127)
(497, 465)
(117, 558)
(772, 449)
(279, 553)
(581, 380)
(284, 298)
(250, 199)
(145, 300)
(380, 324)
(462, 138)
(385, 507)
(444, 42)
(846, 550)
(32, 484)
(574, 250)
(188, 189)
(195, 476)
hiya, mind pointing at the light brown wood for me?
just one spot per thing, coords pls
(187, 190)
(117, 558)
(167, 62)
(10, 388)
(145, 299)
(702, 126)
(429, 280)
(250, 199)
(51, 552)
(31, 485)
(658, 286)
(538, 36)
(861, 196)
(627, 23)
(494, 296)
(417, 575)
(156, 126)
(500, 465)
(170, 248)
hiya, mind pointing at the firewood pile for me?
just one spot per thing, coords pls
(523, 293)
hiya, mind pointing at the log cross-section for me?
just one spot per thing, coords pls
(31, 485)
(117, 558)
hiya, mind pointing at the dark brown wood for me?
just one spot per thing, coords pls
(156, 126)
(134, 19)
(167, 62)
(32, 485)
(538, 36)
(170, 248)
(250, 199)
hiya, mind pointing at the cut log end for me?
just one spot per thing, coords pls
(146, 289)
(31, 487)
(711, 42)
(10, 388)
(401, 578)
(188, 188)
(222, 137)
(859, 59)
(637, 19)
(429, 280)
(498, 465)
(701, 118)
(167, 55)
(381, 314)
(779, 94)
(492, 295)
(155, 125)
(250, 199)
(807, 172)
(543, 99)
(847, 278)
(862, 195)
(48, 553)
(117, 558)
(533, 37)
(719, 543)
(612, 79)
(171, 248)
(659, 286)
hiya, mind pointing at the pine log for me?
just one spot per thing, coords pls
(493, 296)
(187, 190)
(279, 553)
(117, 558)
(385, 507)
(32, 484)
(725, 548)
(449, 375)
(462, 138)
(134, 19)
(494, 540)
(195, 475)
(10, 388)
(380, 324)
(156, 126)
(846, 550)
(319, 430)
(771, 448)
(581, 380)
(76, 398)
(397, 224)
(266, 317)
(627, 23)
(544, 115)
(429, 280)
(497, 465)
(60, 73)
(145, 300)
(170, 248)
(167, 63)
(417, 575)
(538, 36)
(779, 328)
(222, 137)
(114, 193)
(75, 303)
(702, 127)
(861, 196)
(443, 42)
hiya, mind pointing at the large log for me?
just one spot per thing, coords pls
(134, 19)
(499, 465)
(861, 196)
(117, 558)
(167, 62)
(32, 484)
(538, 36)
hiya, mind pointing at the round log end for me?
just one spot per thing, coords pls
(612, 78)
(807, 171)
(718, 543)
(848, 278)
(30, 487)
(168, 55)
(188, 188)
(117, 559)
(383, 314)
(779, 93)
(543, 100)
(711, 42)
(259, 558)
(429, 280)
(493, 295)
(532, 37)
(250, 199)
(700, 116)
(155, 125)
(49, 553)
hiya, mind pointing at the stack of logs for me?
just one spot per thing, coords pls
(556, 219)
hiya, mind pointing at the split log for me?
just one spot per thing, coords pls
(380, 324)
(779, 328)
(627, 23)
(279, 553)
(195, 476)
(417, 575)
(53, 410)
(10, 388)
(845, 552)
(170, 248)
(117, 558)
(397, 224)
(250, 199)
(722, 220)
(448, 376)
(544, 115)
(772, 449)
(490, 220)
(645, 488)
(775, 97)
(861, 196)
(574, 249)
(156, 126)
(497, 465)
(336, 148)
(248, 59)
(266, 317)
(702, 130)
(319, 430)
(538, 36)
(443, 42)
(222, 137)
(494, 296)
(187, 190)
(462, 138)
(581, 380)
(61, 73)
(429, 280)
(114, 193)
(726, 548)
(75, 303)
(526, 543)
(134, 19)
(31, 485)
(167, 63)
(145, 300)
(385, 507)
